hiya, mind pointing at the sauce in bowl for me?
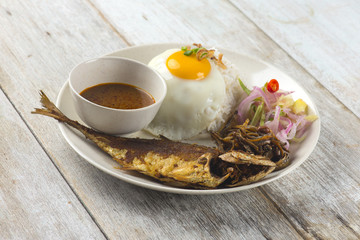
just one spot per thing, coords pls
(118, 95)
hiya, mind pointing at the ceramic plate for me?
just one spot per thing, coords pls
(253, 72)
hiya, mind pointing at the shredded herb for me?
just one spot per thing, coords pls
(244, 87)
(188, 53)
(195, 50)
(258, 115)
(202, 53)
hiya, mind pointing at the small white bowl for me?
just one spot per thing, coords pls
(115, 70)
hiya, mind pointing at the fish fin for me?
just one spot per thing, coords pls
(49, 109)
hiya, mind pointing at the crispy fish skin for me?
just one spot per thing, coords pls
(173, 162)
(177, 163)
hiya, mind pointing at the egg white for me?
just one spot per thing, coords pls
(189, 106)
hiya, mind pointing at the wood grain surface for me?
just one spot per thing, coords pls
(47, 191)
(36, 201)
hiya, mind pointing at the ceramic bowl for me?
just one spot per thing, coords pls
(115, 70)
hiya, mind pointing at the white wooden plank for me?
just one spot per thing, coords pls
(321, 36)
(35, 201)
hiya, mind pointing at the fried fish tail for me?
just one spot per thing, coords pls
(177, 163)
(51, 110)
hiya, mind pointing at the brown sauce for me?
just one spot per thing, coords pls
(118, 95)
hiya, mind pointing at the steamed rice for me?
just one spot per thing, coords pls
(232, 94)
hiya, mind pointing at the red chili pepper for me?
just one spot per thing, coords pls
(272, 86)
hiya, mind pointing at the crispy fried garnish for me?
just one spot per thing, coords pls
(253, 140)
(202, 53)
(219, 61)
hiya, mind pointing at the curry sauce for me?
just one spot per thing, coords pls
(118, 95)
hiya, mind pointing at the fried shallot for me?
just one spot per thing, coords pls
(253, 140)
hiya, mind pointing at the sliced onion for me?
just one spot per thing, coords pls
(245, 104)
(286, 128)
(274, 124)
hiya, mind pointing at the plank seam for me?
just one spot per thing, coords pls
(251, 223)
(109, 23)
(277, 207)
(57, 168)
(346, 224)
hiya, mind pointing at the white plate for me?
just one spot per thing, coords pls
(254, 73)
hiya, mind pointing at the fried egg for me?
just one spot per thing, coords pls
(197, 92)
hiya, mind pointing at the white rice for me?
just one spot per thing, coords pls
(232, 94)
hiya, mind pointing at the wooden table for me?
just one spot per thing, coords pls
(47, 191)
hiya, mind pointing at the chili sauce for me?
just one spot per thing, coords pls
(118, 95)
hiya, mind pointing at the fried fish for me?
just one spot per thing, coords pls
(176, 163)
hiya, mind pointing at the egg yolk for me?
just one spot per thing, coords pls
(188, 67)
